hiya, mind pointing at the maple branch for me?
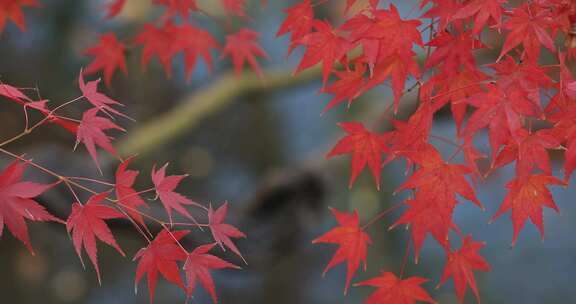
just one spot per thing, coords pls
(69, 182)
(48, 115)
(195, 108)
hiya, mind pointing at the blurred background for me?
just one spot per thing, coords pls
(261, 147)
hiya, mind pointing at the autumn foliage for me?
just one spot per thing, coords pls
(525, 108)
(87, 223)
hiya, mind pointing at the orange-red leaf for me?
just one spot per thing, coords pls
(223, 232)
(394, 290)
(461, 264)
(162, 42)
(427, 214)
(436, 184)
(161, 256)
(366, 148)
(100, 101)
(530, 151)
(353, 242)
(298, 22)
(165, 189)
(87, 223)
(109, 56)
(528, 26)
(12, 10)
(127, 197)
(196, 42)
(17, 203)
(483, 11)
(349, 86)
(323, 45)
(526, 197)
(198, 265)
(91, 133)
(243, 46)
(398, 68)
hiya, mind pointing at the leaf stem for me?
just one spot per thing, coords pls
(381, 215)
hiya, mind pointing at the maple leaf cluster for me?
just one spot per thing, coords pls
(527, 109)
(165, 254)
(174, 33)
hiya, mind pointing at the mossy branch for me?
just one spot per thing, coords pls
(188, 114)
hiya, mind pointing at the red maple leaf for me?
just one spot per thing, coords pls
(435, 175)
(349, 86)
(398, 68)
(223, 232)
(17, 203)
(91, 133)
(528, 27)
(323, 45)
(196, 42)
(161, 256)
(444, 11)
(526, 78)
(12, 10)
(109, 56)
(100, 101)
(562, 113)
(162, 42)
(394, 290)
(413, 134)
(165, 186)
(198, 265)
(501, 112)
(428, 213)
(366, 148)
(483, 11)
(454, 89)
(436, 184)
(460, 265)
(114, 8)
(353, 242)
(356, 26)
(384, 34)
(127, 197)
(565, 129)
(530, 150)
(387, 42)
(526, 197)
(174, 7)
(298, 22)
(452, 51)
(87, 223)
(234, 7)
(243, 46)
